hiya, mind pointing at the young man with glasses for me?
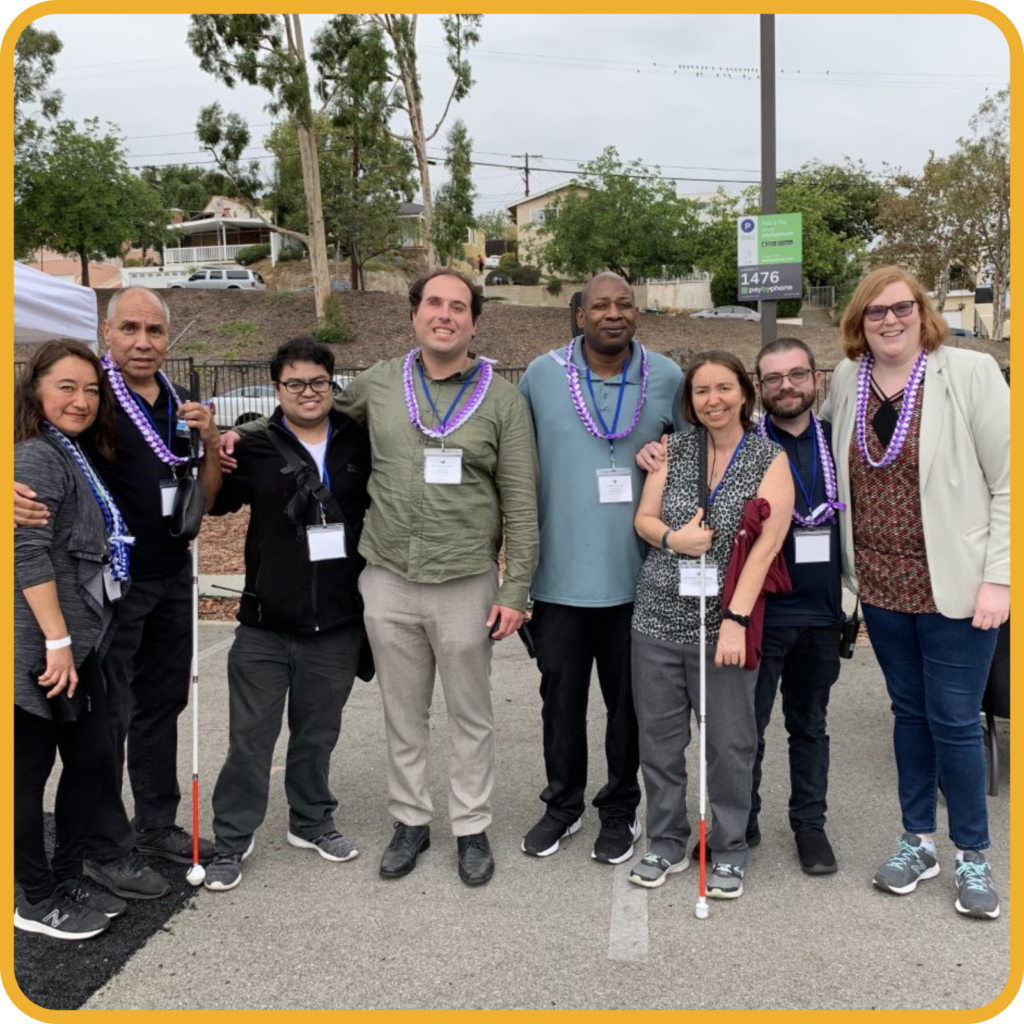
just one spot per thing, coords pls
(301, 634)
(801, 628)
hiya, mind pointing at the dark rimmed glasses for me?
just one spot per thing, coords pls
(318, 385)
(797, 376)
(901, 309)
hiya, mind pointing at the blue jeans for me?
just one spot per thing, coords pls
(936, 670)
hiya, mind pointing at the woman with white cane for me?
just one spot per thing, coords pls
(679, 615)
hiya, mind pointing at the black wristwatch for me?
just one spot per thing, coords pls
(743, 620)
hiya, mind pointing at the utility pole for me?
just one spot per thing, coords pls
(525, 157)
(768, 306)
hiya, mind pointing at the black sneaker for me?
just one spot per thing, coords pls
(615, 840)
(92, 898)
(225, 870)
(544, 838)
(172, 843)
(60, 917)
(128, 877)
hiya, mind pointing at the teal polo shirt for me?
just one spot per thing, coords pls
(590, 554)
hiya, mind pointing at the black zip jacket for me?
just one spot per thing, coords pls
(284, 590)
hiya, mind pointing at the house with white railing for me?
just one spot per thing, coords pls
(218, 234)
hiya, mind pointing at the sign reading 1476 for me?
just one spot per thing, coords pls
(769, 256)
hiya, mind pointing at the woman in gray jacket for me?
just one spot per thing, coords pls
(68, 574)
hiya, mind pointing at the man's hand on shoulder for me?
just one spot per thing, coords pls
(652, 455)
(228, 440)
(28, 512)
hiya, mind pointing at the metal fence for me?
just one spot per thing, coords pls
(820, 296)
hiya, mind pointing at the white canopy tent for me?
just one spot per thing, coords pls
(46, 307)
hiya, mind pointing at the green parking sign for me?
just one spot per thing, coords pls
(769, 256)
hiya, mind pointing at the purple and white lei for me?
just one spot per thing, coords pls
(826, 512)
(899, 437)
(576, 392)
(139, 418)
(479, 392)
(117, 532)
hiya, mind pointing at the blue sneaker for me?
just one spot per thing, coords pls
(910, 864)
(976, 895)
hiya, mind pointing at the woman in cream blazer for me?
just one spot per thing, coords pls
(921, 437)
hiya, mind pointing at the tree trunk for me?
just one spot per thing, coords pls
(319, 263)
(942, 289)
(998, 303)
(84, 259)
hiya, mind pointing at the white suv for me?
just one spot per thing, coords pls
(228, 277)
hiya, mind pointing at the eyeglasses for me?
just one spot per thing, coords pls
(318, 385)
(901, 309)
(797, 376)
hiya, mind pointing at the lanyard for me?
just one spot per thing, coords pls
(732, 459)
(144, 406)
(618, 404)
(451, 408)
(807, 496)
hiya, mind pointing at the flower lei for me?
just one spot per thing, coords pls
(899, 437)
(117, 533)
(826, 512)
(482, 384)
(576, 392)
(139, 418)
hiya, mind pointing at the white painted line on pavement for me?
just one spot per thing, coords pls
(627, 933)
(207, 651)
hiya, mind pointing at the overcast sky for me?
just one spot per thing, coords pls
(883, 89)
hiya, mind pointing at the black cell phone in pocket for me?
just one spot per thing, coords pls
(526, 635)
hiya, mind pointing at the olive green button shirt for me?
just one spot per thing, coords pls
(430, 533)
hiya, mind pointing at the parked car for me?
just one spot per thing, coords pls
(342, 380)
(492, 263)
(241, 405)
(227, 277)
(727, 313)
(961, 332)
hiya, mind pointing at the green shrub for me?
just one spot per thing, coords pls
(333, 329)
(508, 260)
(252, 253)
(244, 332)
(526, 275)
(554, 286)
(789, 307)
(287, 255)
(282, 296)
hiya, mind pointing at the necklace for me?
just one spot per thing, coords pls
(827, 511)
(117, 533)
(576, 391)
(139, 418)
(450, 423)
(899, 437)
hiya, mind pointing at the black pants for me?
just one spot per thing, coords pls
(569, 641)
(88, 764)
(807, 659)
(314, 673)
(148, 668)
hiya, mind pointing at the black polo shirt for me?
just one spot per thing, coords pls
(134, 481)
(816, 598)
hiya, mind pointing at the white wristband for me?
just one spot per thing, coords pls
(56, 645)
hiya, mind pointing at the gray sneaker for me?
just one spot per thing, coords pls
(225, 870)
(976, 895)
(653, 870)
(725, 881)
(330, 845)
(910, 864)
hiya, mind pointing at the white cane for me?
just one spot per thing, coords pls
(701, 910)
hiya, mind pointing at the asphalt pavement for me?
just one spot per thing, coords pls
(567, 932)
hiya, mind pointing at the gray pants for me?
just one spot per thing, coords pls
(666, 688)
(417, 630)
(314, 673)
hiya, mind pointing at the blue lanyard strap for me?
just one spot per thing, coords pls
(144, 406)
(618, 404)
(448, 415)
(718, 486)
(326, 476)
(807, 496)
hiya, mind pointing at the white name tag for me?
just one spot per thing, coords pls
(689, 579)
(614, 485)
(812, 545)
(168, 488)
(442, 466)
(111, 587)
(326, 542)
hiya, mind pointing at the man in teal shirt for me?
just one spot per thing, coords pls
(594, 403)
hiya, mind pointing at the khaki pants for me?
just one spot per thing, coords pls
(416, 629)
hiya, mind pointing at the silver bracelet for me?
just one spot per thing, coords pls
(56, 645)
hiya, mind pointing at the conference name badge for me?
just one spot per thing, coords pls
(689, 579)
(168, 488)
(812, 545)
(614, 486)
(326, 542)
(442, 466)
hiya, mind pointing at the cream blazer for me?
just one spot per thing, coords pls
(964, 465)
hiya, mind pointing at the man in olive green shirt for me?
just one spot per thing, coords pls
(454, 462)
